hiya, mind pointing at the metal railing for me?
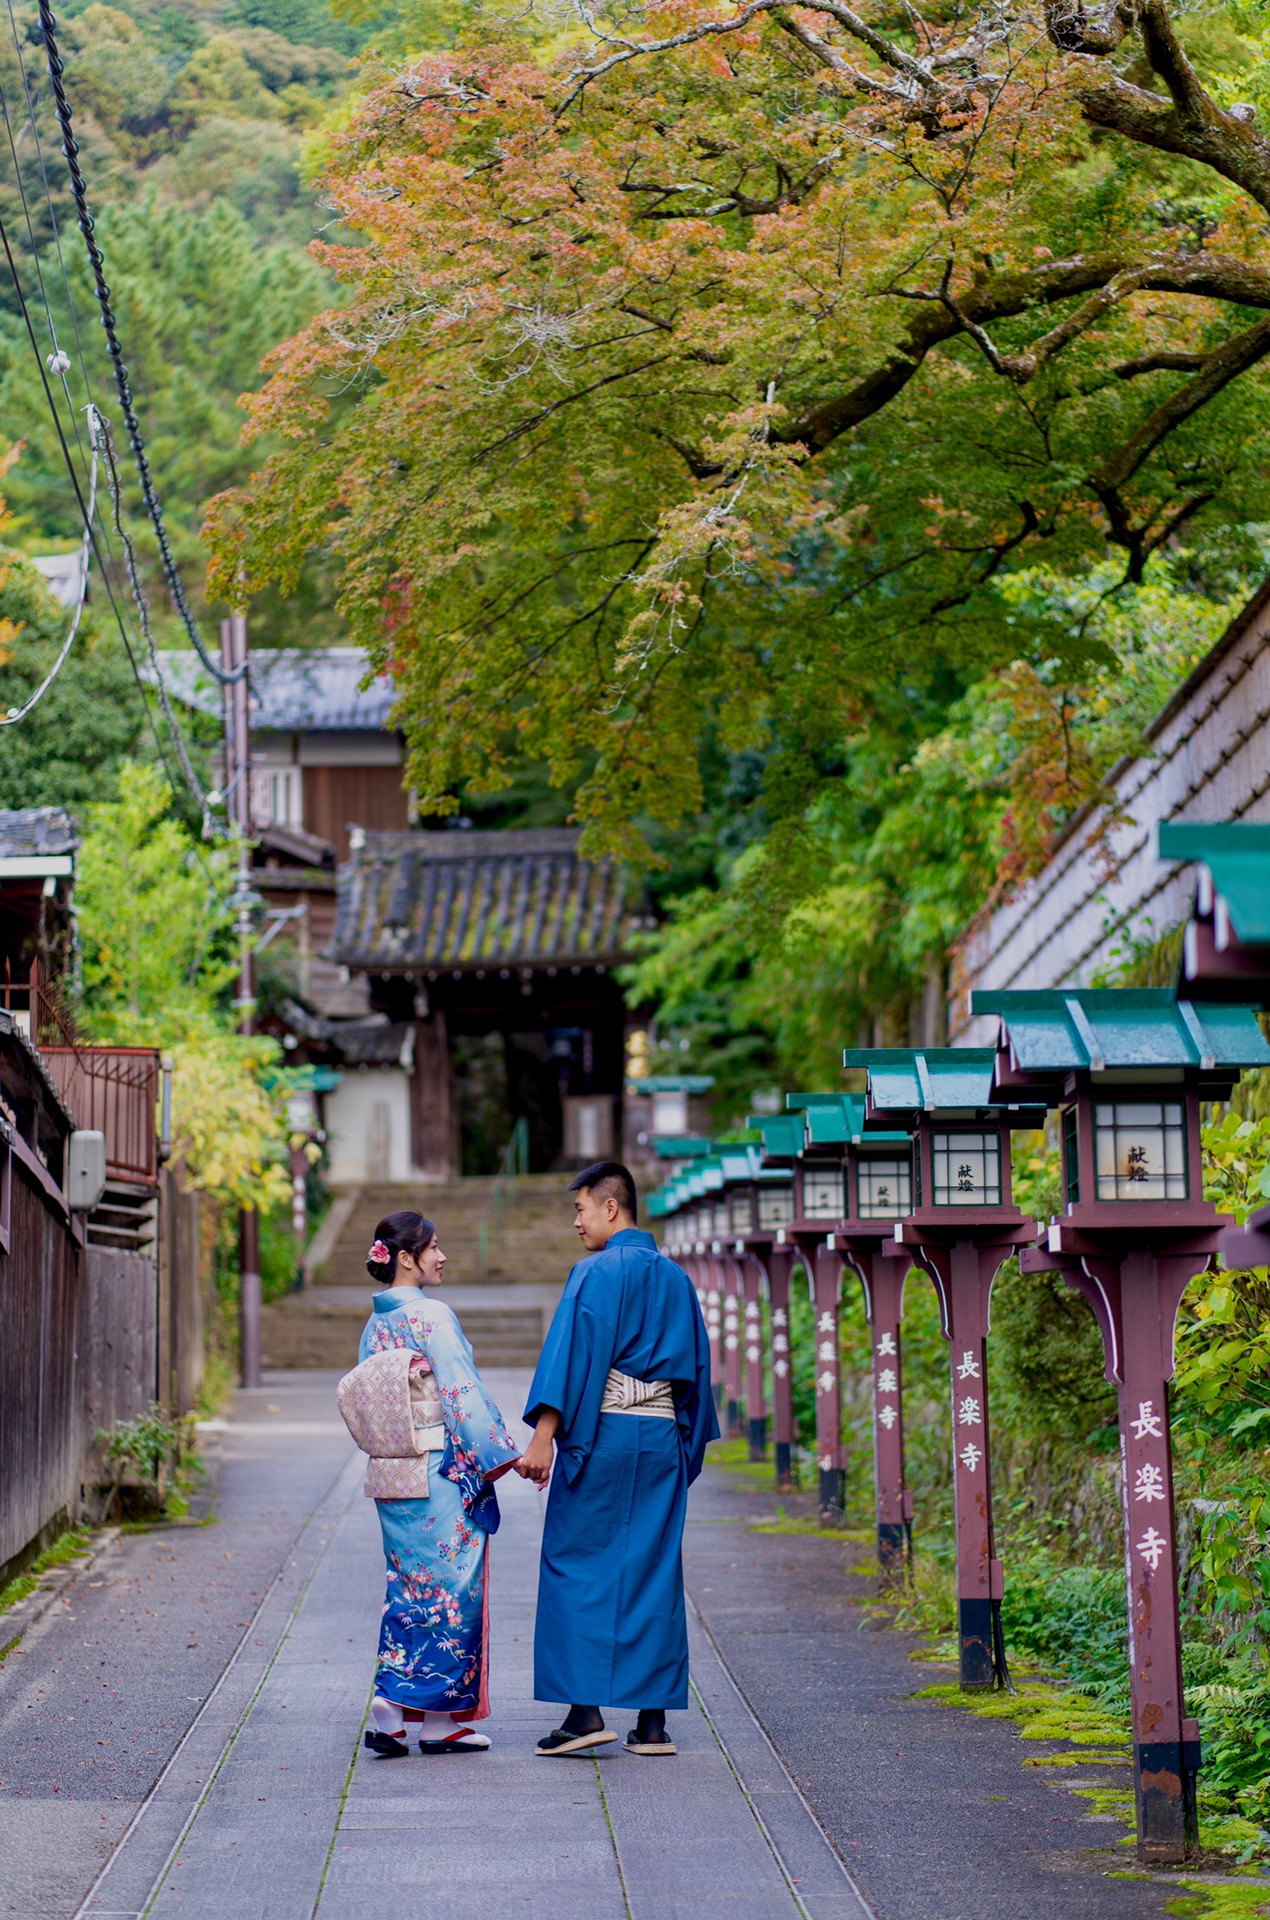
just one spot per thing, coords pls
(113, 1090)
(513, 1166)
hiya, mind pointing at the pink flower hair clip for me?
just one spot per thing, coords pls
(379, 1253)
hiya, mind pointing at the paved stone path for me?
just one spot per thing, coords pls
(270, 1810)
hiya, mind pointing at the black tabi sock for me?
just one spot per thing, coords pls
(581, 1720)
(651, 1724)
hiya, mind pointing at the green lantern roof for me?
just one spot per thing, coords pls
(739, 1162)
(1056, 1031)
(782, 1133)
(673, 1083)
(834, 1117)
(1236, 854)
(680, 1146)
(905, 1082)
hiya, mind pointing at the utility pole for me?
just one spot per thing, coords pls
(233, 641)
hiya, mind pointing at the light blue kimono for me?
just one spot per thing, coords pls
(433, 1643)
(611, 1628)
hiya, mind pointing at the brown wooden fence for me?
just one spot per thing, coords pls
(92, 1333)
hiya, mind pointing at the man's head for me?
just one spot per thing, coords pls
(605, 1203)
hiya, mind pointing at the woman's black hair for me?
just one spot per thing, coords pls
(404, 1232)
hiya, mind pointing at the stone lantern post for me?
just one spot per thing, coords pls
(1126, 1070)
(962, 1228)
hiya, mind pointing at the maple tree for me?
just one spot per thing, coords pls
(711, 364)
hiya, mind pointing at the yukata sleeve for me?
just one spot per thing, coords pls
(698, 1421)
(479, 1440)
(571, 1375)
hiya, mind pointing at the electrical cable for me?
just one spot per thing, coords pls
(79, 191)
(102, 440)
(58, 364)
(20, 713)
(74, 479)
(33, 122)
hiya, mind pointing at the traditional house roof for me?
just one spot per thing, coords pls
(37, 840)
(293, 689)
(471, 901)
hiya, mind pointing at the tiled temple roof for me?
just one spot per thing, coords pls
(410, 902)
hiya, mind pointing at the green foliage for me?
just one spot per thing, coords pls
(154, 925)
(200, 301)
(155, 1439)
(70, 747)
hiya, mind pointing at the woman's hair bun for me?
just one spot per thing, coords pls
(404, 1232)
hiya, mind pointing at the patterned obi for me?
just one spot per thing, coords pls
(653, 1399)
(391, 1406)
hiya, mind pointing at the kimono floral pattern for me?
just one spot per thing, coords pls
(432, 1635)
(432, 1650)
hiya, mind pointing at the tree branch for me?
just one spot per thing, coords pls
(1221, 368)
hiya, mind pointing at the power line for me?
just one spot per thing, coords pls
(20, 713)
(74, 480)
(79, 191)
(58, 364)
(101, 438)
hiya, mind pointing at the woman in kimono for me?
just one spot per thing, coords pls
(433, 1655)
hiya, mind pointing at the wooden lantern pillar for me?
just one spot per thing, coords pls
(878, 1195)
(739, 1166)
(819, 1204)
(962, 1229)
(762, 1224)
(1127, 1070)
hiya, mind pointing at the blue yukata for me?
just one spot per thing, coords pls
(611, 1628)
(433, 1639)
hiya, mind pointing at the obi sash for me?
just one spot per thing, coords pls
(652, 1399)
(392, 1409)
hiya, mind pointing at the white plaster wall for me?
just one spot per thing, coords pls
(1105, 888)
(368, 1126)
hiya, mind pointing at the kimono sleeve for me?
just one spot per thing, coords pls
(571, 1376)
(478, 1434)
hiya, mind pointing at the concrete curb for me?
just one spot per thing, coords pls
(17, 1620)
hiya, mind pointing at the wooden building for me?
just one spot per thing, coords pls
(37, 877)
(1105, 893)
(323, 759)
(496, 951)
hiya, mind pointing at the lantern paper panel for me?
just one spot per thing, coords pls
(720, 1217)
(884, 1189)
(1140, 1150)
(775, 1207)
(822, 1193)
(740, 1214)
(966, 1169)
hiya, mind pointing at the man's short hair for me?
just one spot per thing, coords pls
(609, 1180)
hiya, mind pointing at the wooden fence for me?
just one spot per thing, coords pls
(98, 1320)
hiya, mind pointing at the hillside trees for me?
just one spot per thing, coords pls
(861, 313)
(763, 379)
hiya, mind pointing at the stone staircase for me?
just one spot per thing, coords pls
(504, 1316)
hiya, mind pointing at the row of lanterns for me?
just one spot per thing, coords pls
(916, 1173)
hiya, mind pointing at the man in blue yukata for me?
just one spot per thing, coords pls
(622, 1391)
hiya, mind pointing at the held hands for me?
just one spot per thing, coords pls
(536, 1461)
